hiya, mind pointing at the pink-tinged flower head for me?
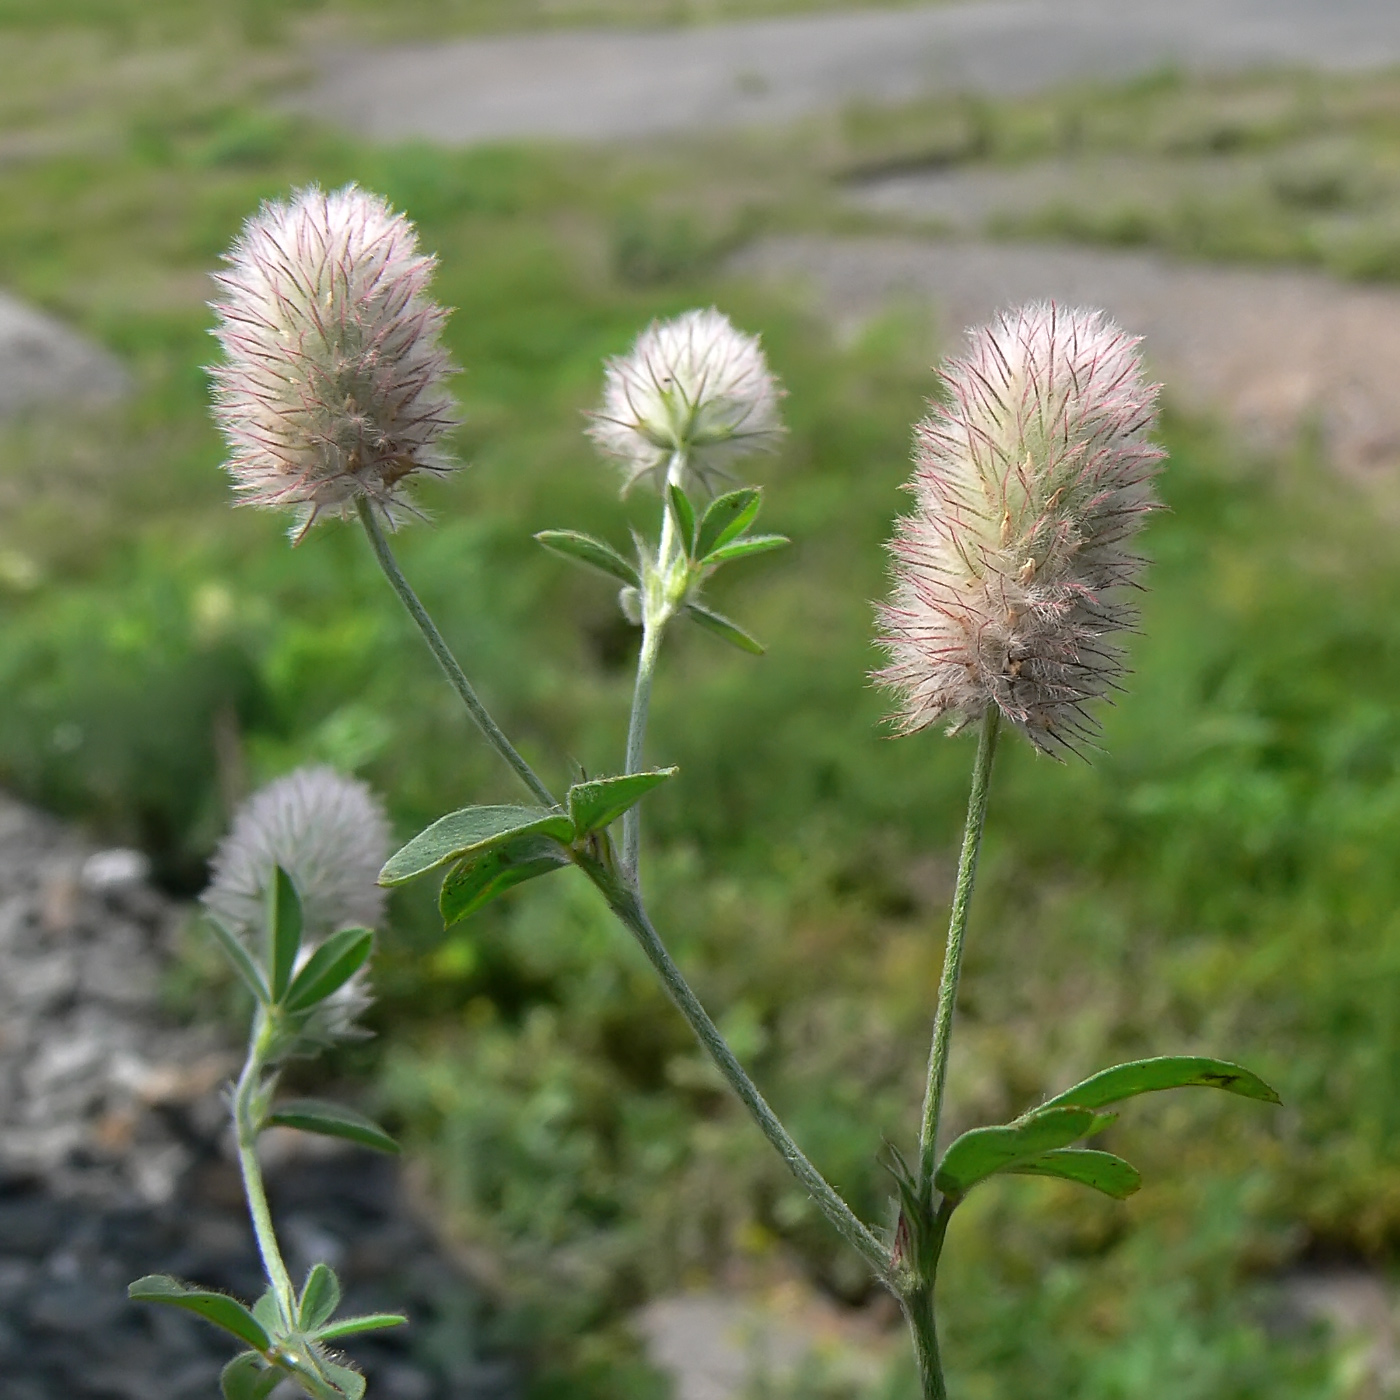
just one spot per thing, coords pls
(1029, 485)
(332, 383)
(694, 386)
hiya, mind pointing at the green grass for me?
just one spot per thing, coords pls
(1221, 878)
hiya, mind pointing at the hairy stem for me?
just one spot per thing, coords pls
(953, 953)
(657, 610)
(628, 908)
(919, 1312)
(636, 738)
(246, 1128)
(626, 905)
(445, 659)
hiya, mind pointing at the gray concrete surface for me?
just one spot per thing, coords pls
(599, 85)
(43, 362)
(1275, 351)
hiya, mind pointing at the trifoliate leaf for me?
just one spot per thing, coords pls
(470, 830)
(584, 549)
(599, 802)
(217, 1308)
(329, 968)
(1166, 1072)
(477, 880)
(982, 1152)
(1101, 1170)
(331, 1120)
(721, 626)
(726, 517)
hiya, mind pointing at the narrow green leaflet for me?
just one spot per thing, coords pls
(599, 802)
(472, 829)
(331, 1120)
(247, 1377)
(1101, 1170)
(744, 546)
(267, 1311)
(217, 1308)
(1167, 1072)
(982, 1152)
(726, 517)
(584, 549)
(240, 957)
(349, 1326)
(684, 514)
(329, 968)
(477, 880)
(721, 626)
(320, 1297)
(349, 1382)
(283, 930)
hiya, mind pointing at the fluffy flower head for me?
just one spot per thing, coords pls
(332, 383)
(1009, 575)
(327, 831)
(693, 385)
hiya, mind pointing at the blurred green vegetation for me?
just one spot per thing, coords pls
(1222, 878)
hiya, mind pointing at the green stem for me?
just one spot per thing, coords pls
(953, 952)
(445, 659)
(246, 1128)
(627, 906)
(919, 1312)
(658, 607)
(636, 738)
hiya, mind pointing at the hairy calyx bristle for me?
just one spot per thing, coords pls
(1010, 574)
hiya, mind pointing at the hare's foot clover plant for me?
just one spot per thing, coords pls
(293, 903)
(1010, 579)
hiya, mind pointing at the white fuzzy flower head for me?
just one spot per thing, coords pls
(331, 388)
(694, 386)
(1010, 575)
(327, 831)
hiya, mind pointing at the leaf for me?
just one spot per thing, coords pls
(331, 1120)
(599, 802)
(477, 880)
(283, 930)
(721, 626)
(329, 968)
(584, 549)
(349, 1382)
(268, 1312)
(472, 829)
(982, 1152)
(744, 546)
(241, 959)
(217, 1308)
(320, 1297)
(348, 1326)
(1101, 1170)
(1166, 1072)
(726, 517)
(247, 1377)
(684, 514)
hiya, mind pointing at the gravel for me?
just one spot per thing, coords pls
(115, 1162)
(620, 84)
